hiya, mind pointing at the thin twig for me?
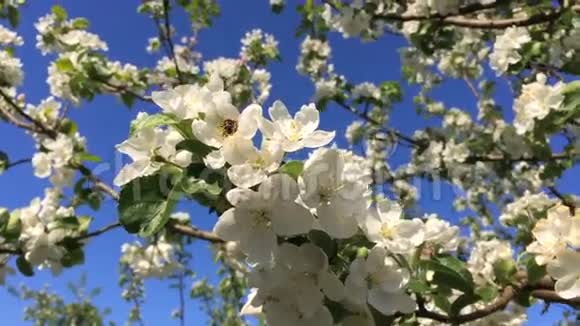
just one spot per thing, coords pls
(167, 37)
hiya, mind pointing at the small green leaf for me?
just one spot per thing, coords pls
(418, 286)
(193, 186)
(447, 277)
(504, 270)
(535, 271)
(87, 157)
(324, 242)
(80, 23)
(59, 12)
(84, 223)
(14, 226)
(442, 302)
(64, 65)
(487, 293)
(457, 265)
(73, 257)
(196, 147)
(13, 16)
(24, 266)
(152, 121)
(128, 99)
(4, 162)
(293, 169)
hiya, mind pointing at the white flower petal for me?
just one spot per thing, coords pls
(337, 220)
(237, 195)
(331, 286)
(206, 134)
(308, 118)
(279, 112)
(390, 303)
(291, 219)
(248, 121)
(214, 160)
(227, 227)
(246, 175)
(318, 138)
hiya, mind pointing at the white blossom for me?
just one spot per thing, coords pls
(379, 281)
(146, 147)
(484, 255)
(11, 73)
(339, 203)
(258, 217)
(9, 38)
(507, 45)
(156, 259)
(566, 270)
(535, 103)
(554, 234)
(386, 228)
(295, 133)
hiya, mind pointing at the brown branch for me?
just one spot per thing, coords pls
(36, 125)
(552, 297)
(367, 118)
(456, 19)
(194, 232)
(18, 162)
(166, 37)
(124, 89)
(465, 10)
(98, 232)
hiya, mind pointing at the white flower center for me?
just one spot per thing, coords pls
(387, 231)
(261, 218)
(229, 127)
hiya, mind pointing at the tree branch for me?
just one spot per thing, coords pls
(396, 133)
(456, 19)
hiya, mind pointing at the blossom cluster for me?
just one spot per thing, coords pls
(556, 239)
(11, 74)
(269, 207)
(156, 259)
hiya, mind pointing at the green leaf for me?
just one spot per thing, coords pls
(84, 223)
(59, 12)
(195, 147)
(194, 186)
(487, 293)
(12, 230)
(152, 121)
(418, 286)
(73, 257)
(13, 16)
(146, 203)
(64, 65)
(442, 302)
(4, 162)
(504, 270)
(535, 271)
(24, 266)
(87, 157)
(324, 242)
(4, 219)
(293, 169)
(461, 302)
(128, 99)
(447, 277)
(80, 23)
(457, 265)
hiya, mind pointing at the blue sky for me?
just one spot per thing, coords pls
(105, 122)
